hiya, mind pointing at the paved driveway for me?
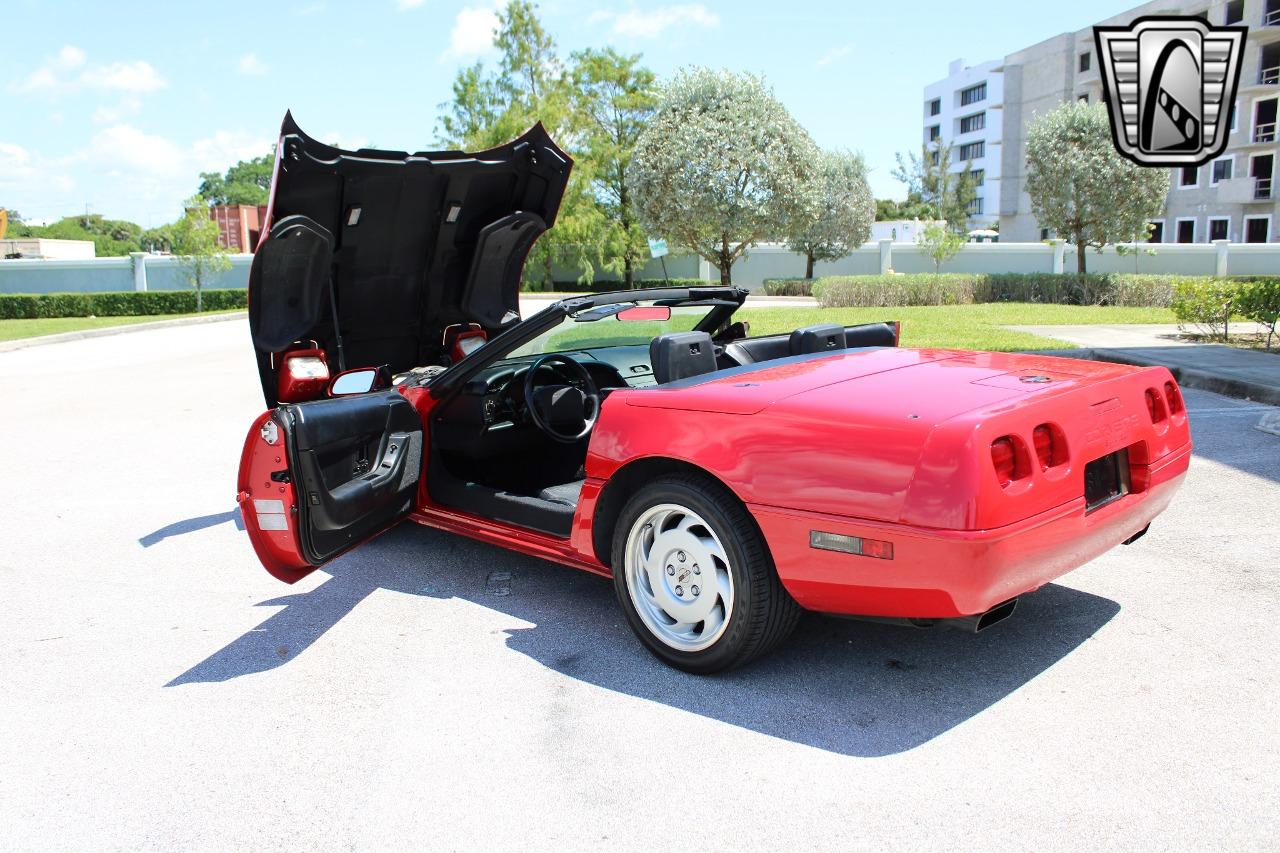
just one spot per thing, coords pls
(161, 691)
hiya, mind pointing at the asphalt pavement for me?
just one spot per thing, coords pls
(161, 691)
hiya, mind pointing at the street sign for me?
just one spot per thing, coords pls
(658, 248)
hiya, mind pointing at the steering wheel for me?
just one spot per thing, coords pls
(563, 412)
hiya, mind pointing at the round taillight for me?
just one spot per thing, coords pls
(1155, 406)
(1173, 396)
(1042, 437)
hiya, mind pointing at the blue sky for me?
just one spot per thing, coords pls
(119, 105)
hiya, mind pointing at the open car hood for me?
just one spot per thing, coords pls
(397, 246)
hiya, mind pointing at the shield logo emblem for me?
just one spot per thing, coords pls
(1170, 82)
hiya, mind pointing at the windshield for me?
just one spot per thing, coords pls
(617, 325)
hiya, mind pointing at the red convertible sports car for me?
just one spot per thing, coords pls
(726, 483)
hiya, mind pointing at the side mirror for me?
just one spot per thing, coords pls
(361, 380)
(645, 312)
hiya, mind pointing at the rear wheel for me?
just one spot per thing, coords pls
(694, 577)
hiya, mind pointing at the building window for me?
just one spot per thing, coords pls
(973, 150)
(934, 132)
(1233, 116)
(1257, 229)
(973, 94)
(1086, 59)
(1084, 99)
(1218, 227)
(975, 206)
(979, 176)
(1044, 233)
(1235, 12)
(969, 124)
(1155, 232)
(933, 157)
(1189, 176)
(1186, 231)
(1221, 170)
(935, 106)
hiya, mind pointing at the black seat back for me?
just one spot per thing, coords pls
(680, 355)
(821, 338)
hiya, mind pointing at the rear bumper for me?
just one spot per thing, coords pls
(948, 573)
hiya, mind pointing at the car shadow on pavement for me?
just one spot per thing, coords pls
(854, 688)
(191, 525)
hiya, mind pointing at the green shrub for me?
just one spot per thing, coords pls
(124, 304)
(965, 288)
(1207, 304)
(1259, 301)
(611, 286)
(895, 291)
(788, 286)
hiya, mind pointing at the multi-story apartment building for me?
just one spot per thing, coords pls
(1233, 198)
(964, 110)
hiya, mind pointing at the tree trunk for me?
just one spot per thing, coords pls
(726, 263)
(628, 275)
(808, 266)
(1080, 261)
(199, 299)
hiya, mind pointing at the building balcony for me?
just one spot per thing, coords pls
(1263, 189)
(1264, 134)
(1244, 190)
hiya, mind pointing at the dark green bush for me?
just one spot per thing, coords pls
(611, 286)
(126, 304)
(788, 286)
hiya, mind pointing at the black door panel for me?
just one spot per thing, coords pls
(356, 462)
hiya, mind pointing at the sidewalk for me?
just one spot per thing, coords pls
(1245, 374)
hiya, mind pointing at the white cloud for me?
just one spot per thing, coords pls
(402, 5)
(650, 23)
(136, 76)
(127, 106)
(55, 74)
(472, 34)
(832, 55)
(24, 174)
(251, 65)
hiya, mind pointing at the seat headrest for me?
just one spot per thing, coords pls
(820, 338)
(680, 355)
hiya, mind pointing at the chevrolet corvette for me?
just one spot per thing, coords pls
(725, 482)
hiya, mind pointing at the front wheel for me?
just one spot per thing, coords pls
(695, 579)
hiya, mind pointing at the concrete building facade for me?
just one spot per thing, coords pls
(965, 110)
(1232, 198)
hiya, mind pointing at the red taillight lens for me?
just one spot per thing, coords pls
(1042, 437)
(1155, 406)
(1004, 457)
(1174, 396)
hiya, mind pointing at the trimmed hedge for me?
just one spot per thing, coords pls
(610, 286)
(788, 286)
(22, 306)
(964, 289)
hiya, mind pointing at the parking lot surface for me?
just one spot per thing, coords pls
(162, 691)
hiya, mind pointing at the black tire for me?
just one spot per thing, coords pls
(762, 615)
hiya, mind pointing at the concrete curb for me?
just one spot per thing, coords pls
(24, 343)
(1270, 422)
(1187, 377)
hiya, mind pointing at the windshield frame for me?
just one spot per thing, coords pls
(728, 299)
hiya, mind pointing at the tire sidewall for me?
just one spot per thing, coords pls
(725, 652)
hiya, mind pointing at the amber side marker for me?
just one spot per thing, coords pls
(855, 545)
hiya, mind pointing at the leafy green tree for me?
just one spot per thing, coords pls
(613, 99)
(723, 165)
(1081, 187)
(940, 243)
(913, 208)
(845, 211)
(929, 177)
(110, 237)
(247, 182)
(530, 84)
(195, 243)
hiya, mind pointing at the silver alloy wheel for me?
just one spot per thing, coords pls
(678, 577)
